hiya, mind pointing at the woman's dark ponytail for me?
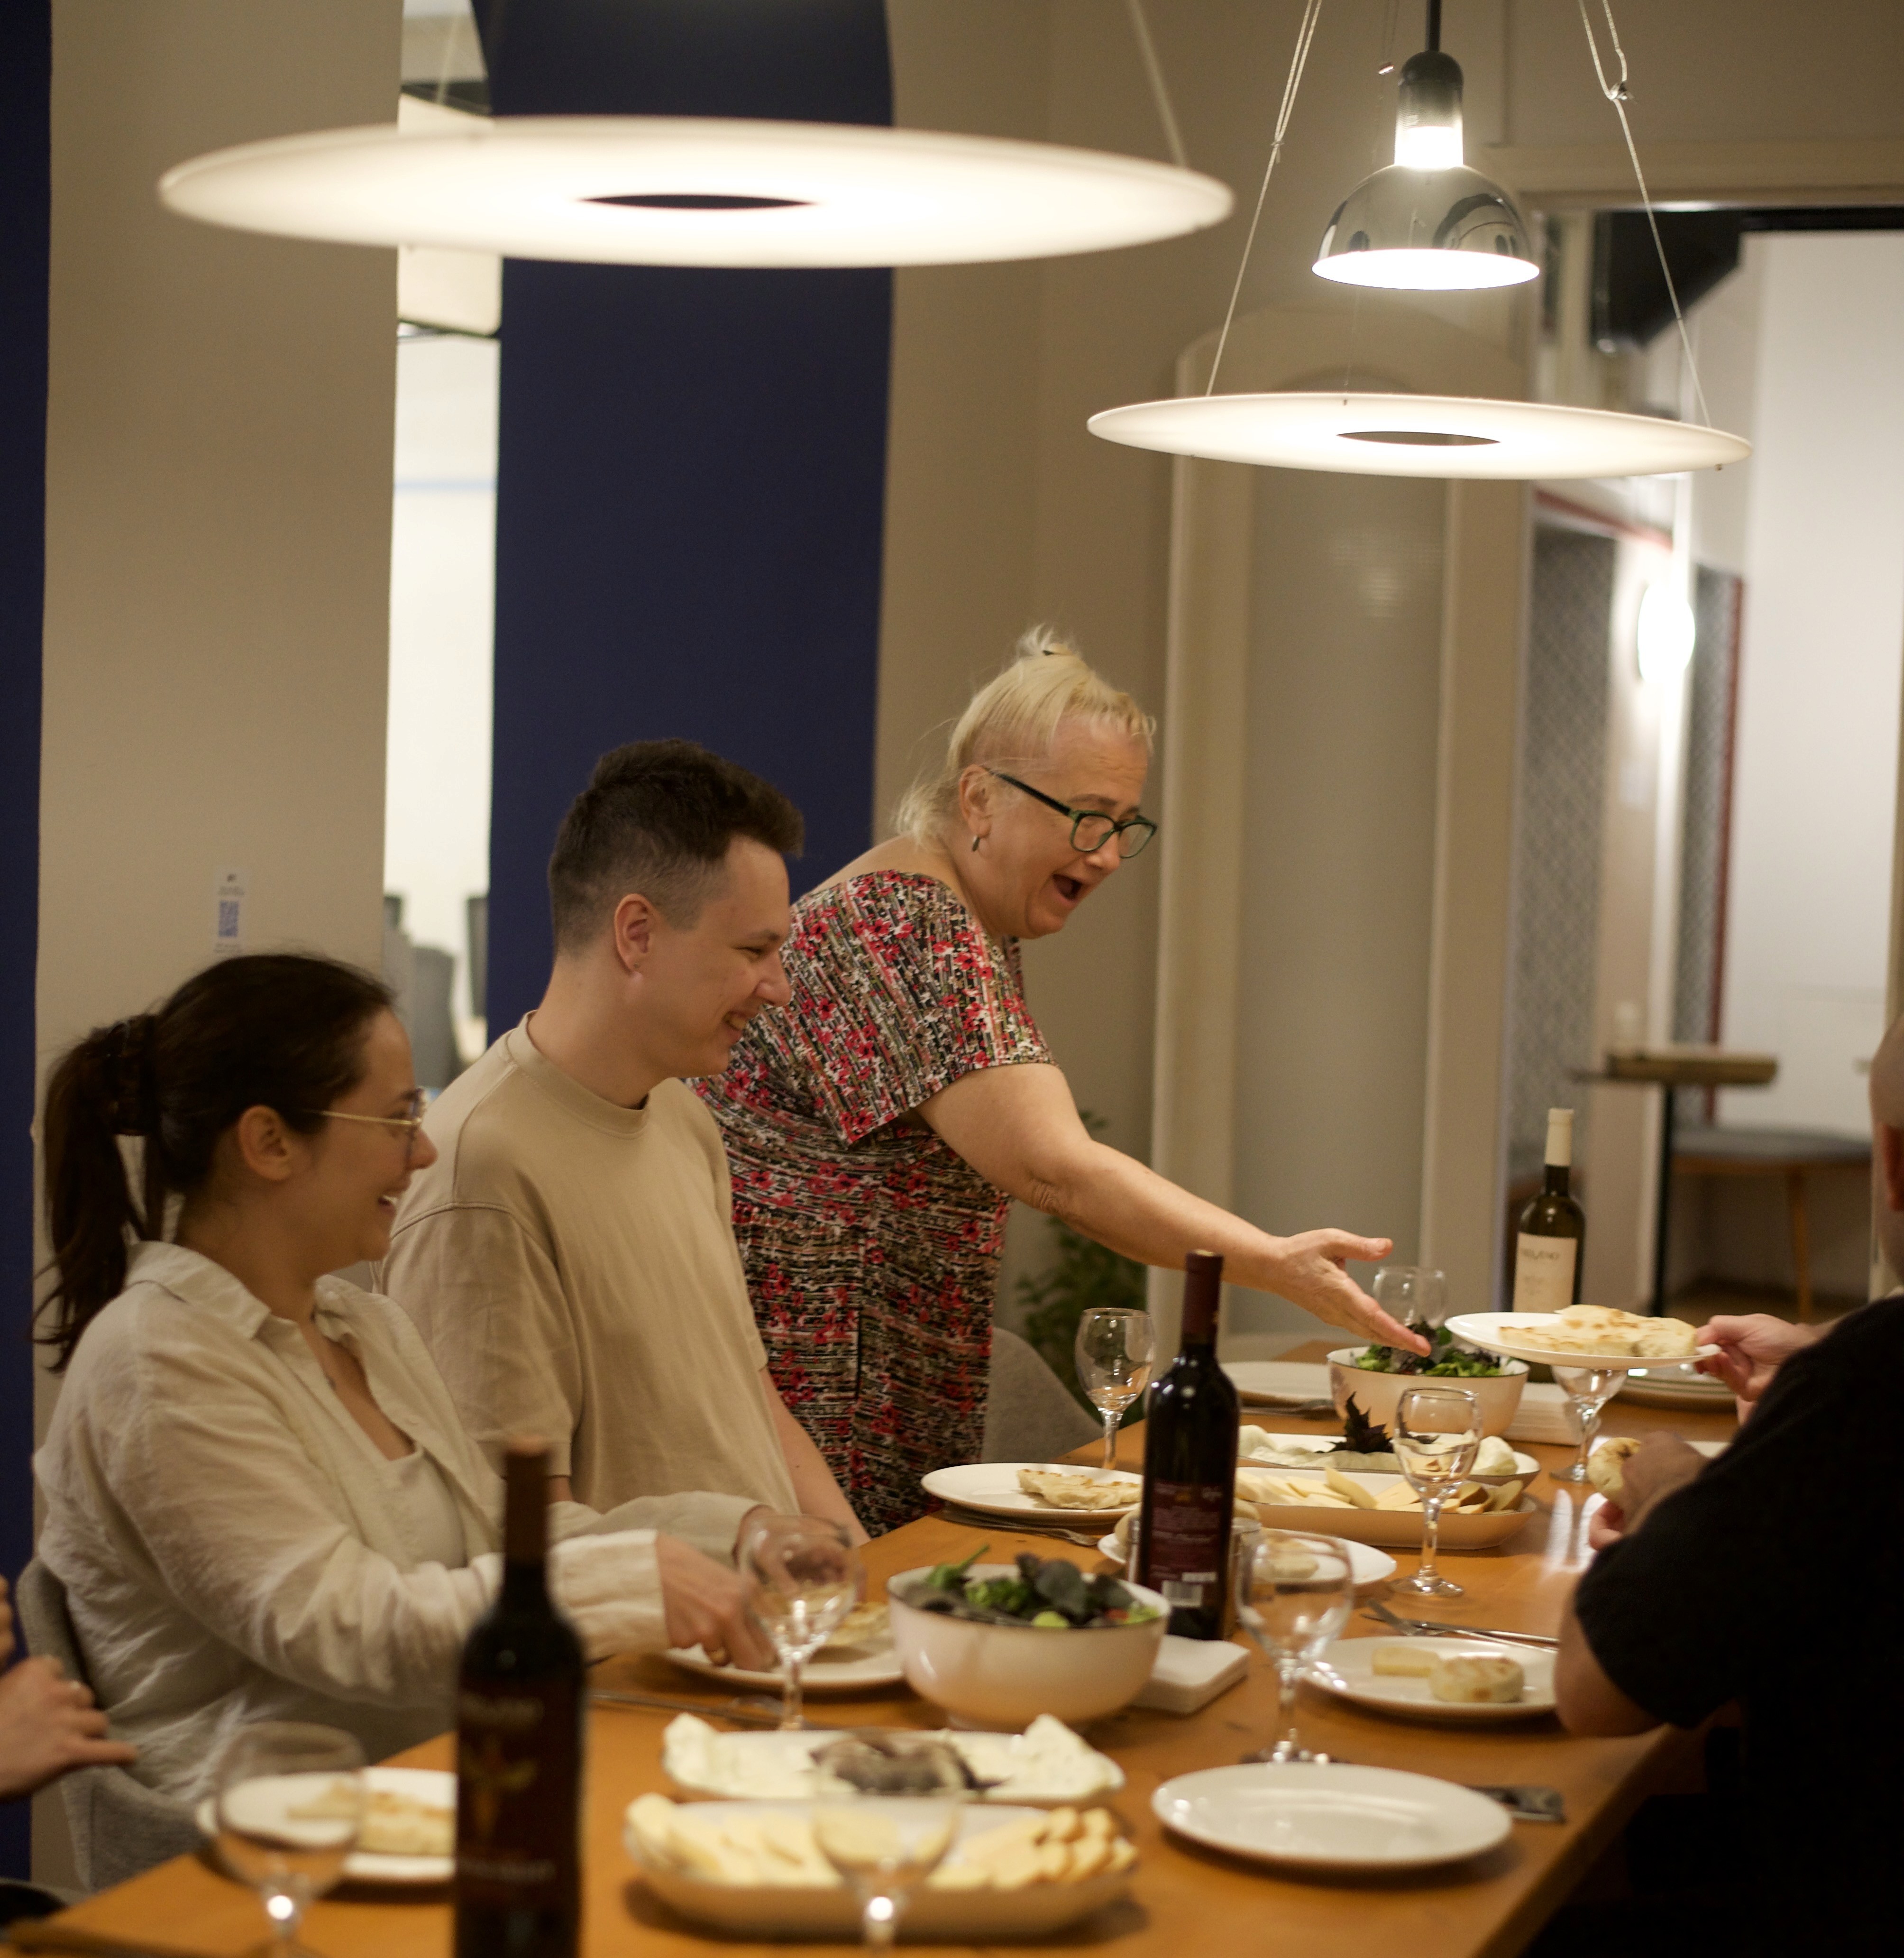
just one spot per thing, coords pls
(278, 1030)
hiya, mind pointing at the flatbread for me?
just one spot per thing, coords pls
(1604, 1329)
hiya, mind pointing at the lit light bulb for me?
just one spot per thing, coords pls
(1427, 114)
(1666, 634)
(1429, 146)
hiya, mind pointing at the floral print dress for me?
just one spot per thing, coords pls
(871, 1249)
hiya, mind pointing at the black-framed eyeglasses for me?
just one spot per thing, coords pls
(411, 1124)
(1091, 829)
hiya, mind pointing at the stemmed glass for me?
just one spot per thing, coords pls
(885, 1847)
(290, 1804)
(1298, 1592)
(1114, 1348)
(804, 1577)
(1411, 1294)
(1437, 1432)
(1588, 1389)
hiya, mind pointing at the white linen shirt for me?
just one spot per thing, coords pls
(228, 1546)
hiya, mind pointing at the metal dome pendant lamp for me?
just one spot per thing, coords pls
(1428, 222)
(1425, 223)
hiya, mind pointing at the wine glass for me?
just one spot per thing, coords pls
(1298, 1593)
(1411, 1294)
(1588, 1389)
(1437, 1432)
(885, 1847)
(804, 1575)
(290, 1804)
(1114, 1348)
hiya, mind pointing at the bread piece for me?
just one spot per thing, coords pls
(1405, 1661)
(1665, 1339)
(1477, 1682)
(1494, 1457)
(1606, 1466)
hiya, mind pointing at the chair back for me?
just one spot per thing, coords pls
(1029, 1415)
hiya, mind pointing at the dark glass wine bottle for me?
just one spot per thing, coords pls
(1552, 1237)
(520, 1704)
(1190, 1467)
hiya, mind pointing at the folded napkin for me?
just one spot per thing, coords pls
(1190, 1673)
(1543, 1416)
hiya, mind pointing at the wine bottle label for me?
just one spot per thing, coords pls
(1184, 1540)
(1544, 1272)
(518, 1771)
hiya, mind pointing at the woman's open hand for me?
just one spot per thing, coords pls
(1308, 1271)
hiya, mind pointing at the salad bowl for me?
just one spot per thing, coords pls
(1498, 1390)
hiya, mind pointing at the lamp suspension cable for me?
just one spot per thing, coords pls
(1617, 93)
(1172, 135)
(1305, 33)
(1434, 26)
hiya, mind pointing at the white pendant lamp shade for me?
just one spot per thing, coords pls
(692, 191)
(1427, 222)
(1418, 434)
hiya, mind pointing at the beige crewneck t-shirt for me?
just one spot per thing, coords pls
(571, 1266)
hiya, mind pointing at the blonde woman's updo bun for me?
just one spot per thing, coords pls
(1012, 722)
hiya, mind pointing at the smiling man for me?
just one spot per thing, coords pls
(569, 1257)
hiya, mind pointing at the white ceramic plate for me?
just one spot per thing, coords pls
(1370, 1566)
(1525, 1469)
(1352, 1663)
(1042, 1771)
(435, 1785)
(987, 1916)
(992, 1487)
(1518, 1334)
(1674, 1386)
(1331, 1818)
(874, 1663)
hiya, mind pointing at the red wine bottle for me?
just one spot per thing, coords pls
(1190, 1467)
(1552, 1237)
(520, 1704)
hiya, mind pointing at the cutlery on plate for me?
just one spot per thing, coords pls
(756, 1711)
(1035, 1526)
(1417, 1628)
(1525, 1802)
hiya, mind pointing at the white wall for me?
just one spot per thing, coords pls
(1815, 779)
(442, 588)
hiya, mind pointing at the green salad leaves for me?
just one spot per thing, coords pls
(1445, 1358)
(1046, 1592)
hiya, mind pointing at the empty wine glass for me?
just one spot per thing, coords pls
(1411, 1294)
(1114, 1348)
(1588, 1389)
(885, 1847)
(804, 1575)
(1298, 1593)
(1437, 1432)
(290, 1804)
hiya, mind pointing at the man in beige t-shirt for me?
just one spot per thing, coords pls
(569, 1258)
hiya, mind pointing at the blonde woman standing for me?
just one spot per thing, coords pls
(879, 1126)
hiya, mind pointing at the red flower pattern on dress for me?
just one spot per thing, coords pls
(871, 1249)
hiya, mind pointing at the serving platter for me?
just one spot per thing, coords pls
(1525, 1469)
(1517, 1335)
(991, 1488)
(435, 1786)
(1398, 1529)
(764, 1911)
(1330, 1817)
(1046, 1767)
(1352, 1675)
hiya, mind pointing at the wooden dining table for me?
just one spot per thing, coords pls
(1487, 1907)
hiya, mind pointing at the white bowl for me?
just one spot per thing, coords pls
(1377, 1394)
(1004, 1676)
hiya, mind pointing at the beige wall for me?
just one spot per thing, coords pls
(218, 514)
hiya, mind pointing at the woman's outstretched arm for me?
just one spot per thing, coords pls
(1018, 1128)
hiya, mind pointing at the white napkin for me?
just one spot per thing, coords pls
(1190, 1673)
(1542, 1416)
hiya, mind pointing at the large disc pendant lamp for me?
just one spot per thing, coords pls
(1425, 222)
(675, 190)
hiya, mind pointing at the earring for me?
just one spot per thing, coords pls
(974, 846)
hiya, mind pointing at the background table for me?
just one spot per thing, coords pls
(1490, 1906)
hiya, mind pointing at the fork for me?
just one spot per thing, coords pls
(970, 1519)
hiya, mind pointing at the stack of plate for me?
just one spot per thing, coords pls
(1676, 1386)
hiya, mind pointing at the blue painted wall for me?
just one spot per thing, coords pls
(691, 476)
(26, 80)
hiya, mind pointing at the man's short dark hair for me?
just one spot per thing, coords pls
(657, 818)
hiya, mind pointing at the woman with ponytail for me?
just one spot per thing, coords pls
(259, 1498)
(880, 1125)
